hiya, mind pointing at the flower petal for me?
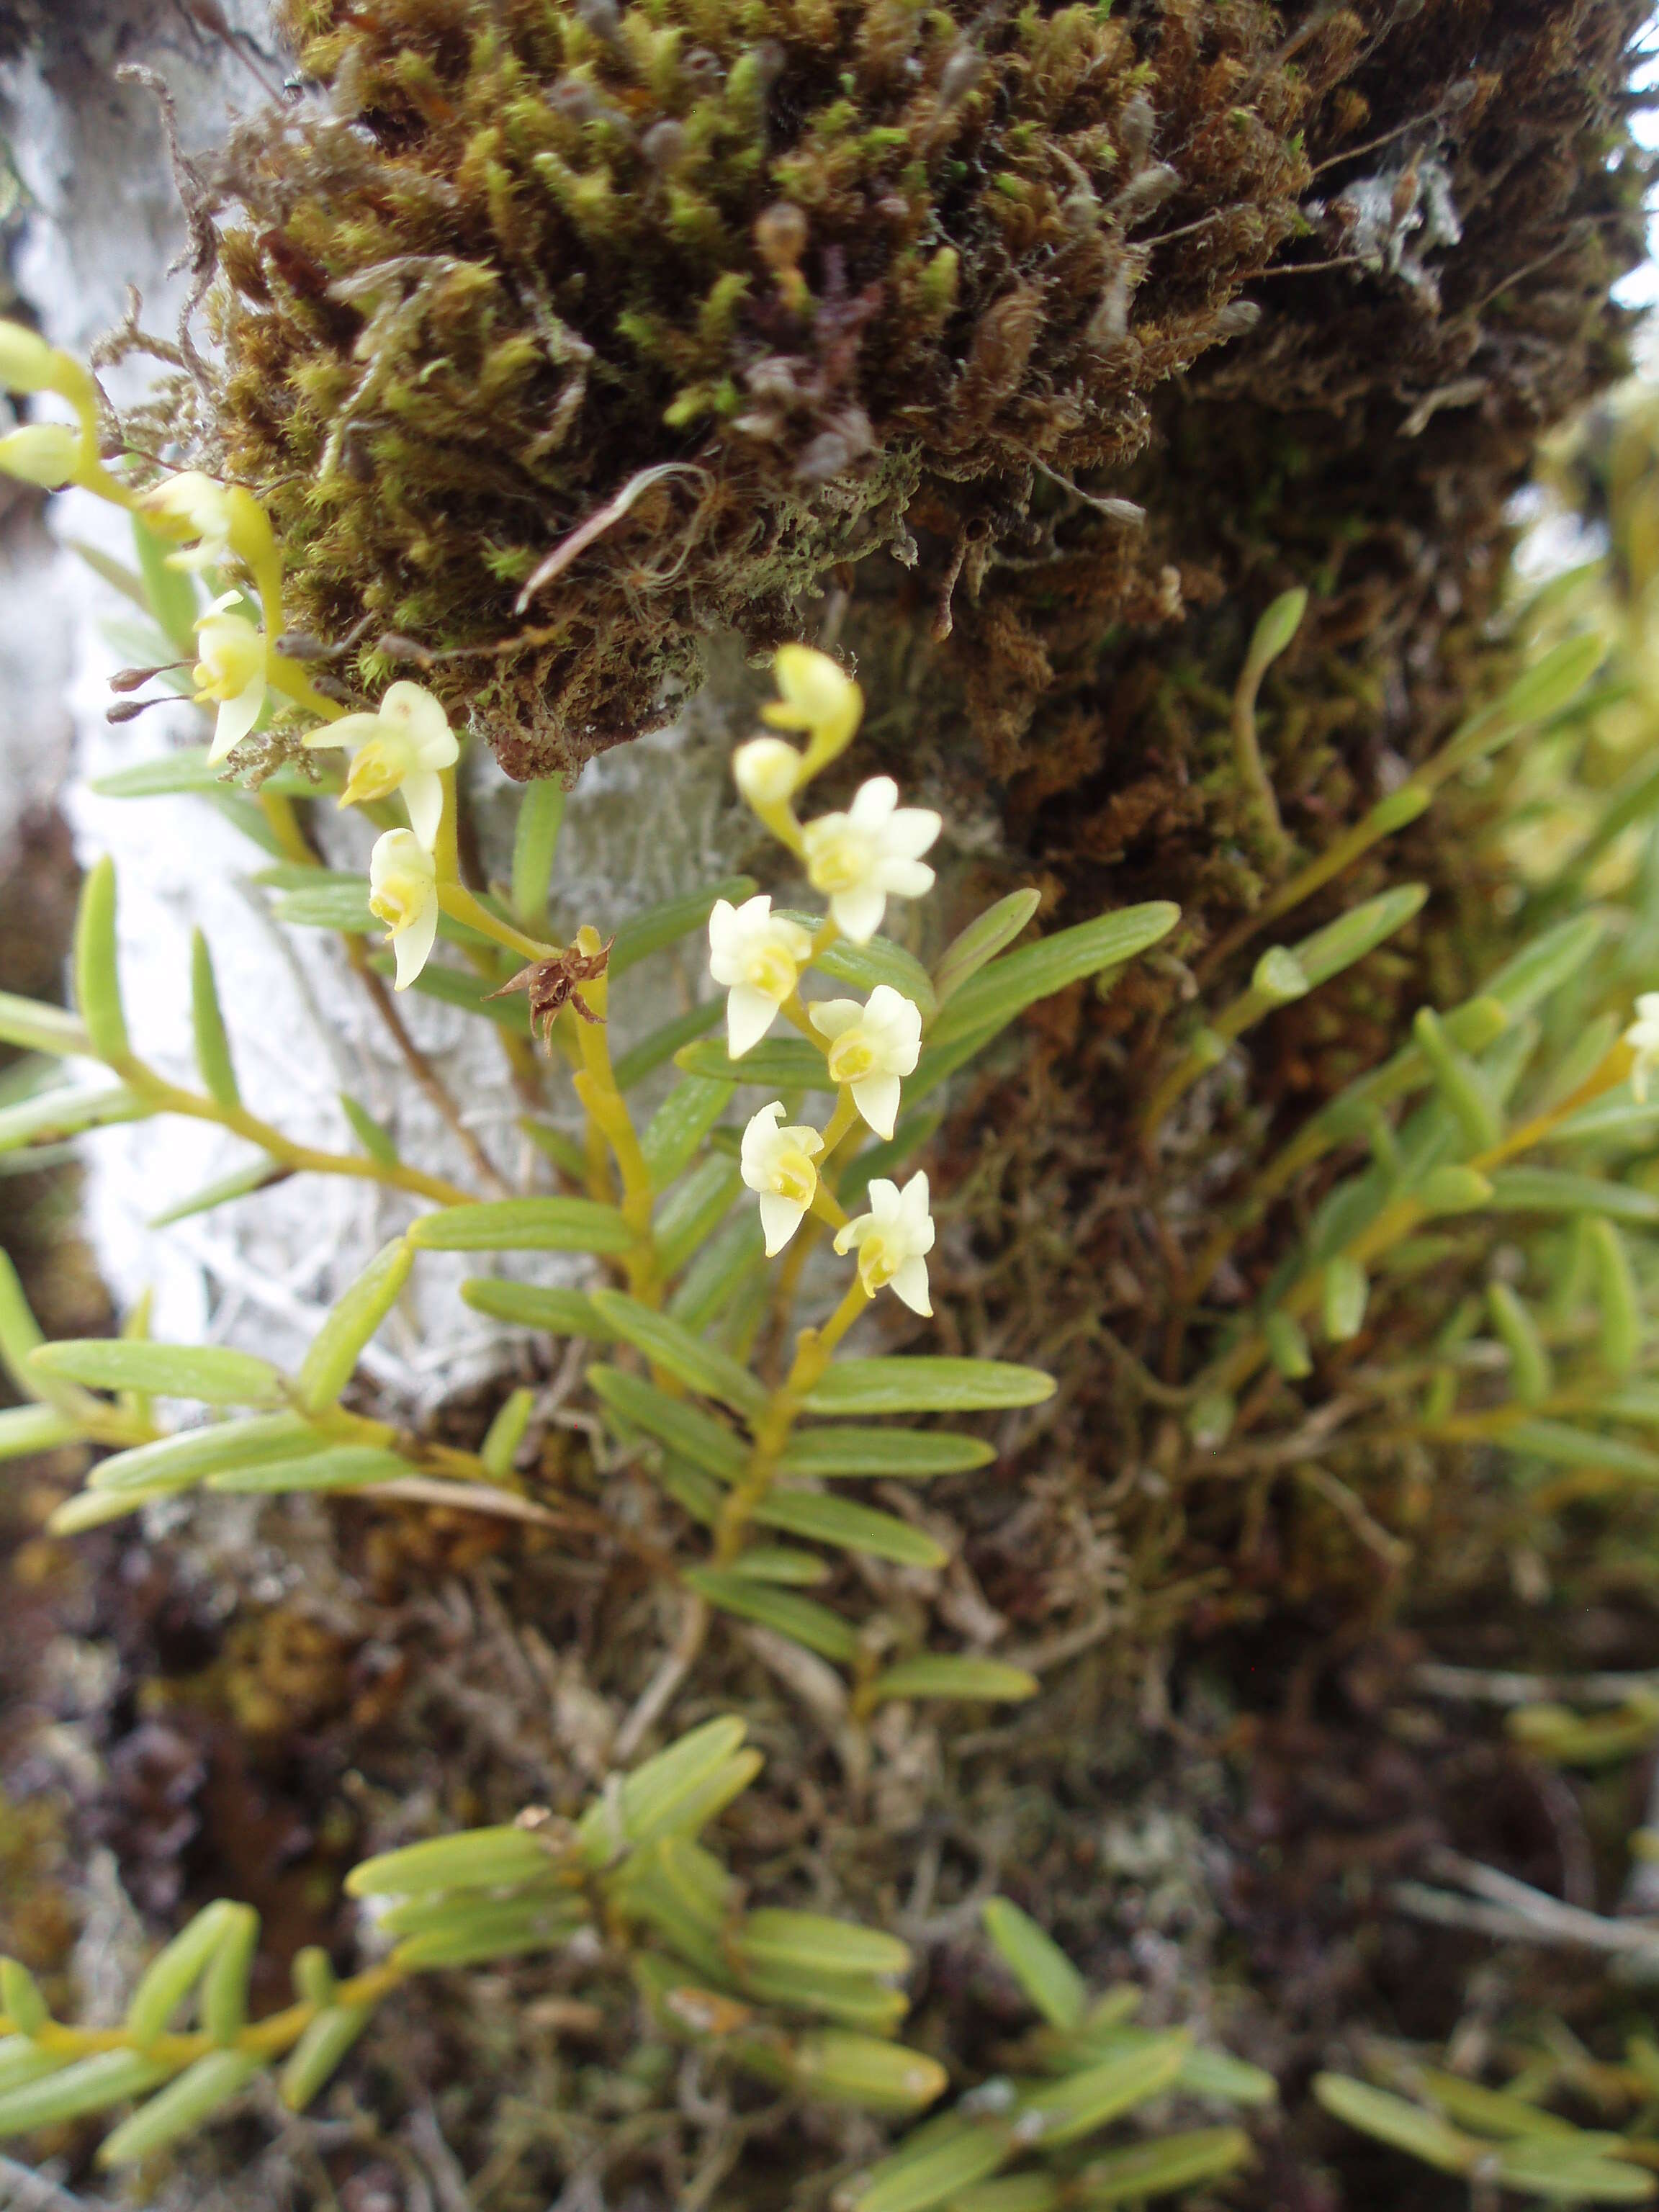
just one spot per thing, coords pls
(833, 1018)
(905, 879)
(413, 945)
(749, 1015)
(236, 718)
(910, 1286)
(877, 1098)
(423, 795)
(858, 912)
(780, 1218)
(873, 803)
(911, 831)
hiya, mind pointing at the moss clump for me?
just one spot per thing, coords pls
(818, 266)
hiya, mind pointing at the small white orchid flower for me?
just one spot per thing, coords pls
(870, 1048)
(193, 505)
(232, 669)
(402, 746)
(766, 771)
(757, 957)
(778, 1164)
(820, 697)
(1642, 1038)
(403, 893)
(874, 852)
(893, 1241)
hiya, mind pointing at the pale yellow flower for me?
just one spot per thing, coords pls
(874, 852)
(757, 957)
(870, 1048)
(403, 893)
(893, 1241)
(230, 669)
(402, 746)
(777, 1162)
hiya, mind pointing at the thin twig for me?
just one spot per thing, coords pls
(1497, 1686)
(432, 1084)
(599, 522)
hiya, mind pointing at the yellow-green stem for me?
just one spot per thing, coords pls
(814, 1348)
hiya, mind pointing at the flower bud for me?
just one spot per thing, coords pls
(766, 771)
(43, 454)
(27, 363)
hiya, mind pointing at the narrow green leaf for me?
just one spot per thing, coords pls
(731, 1259)
(1496, 2111)
(1531, 1372)
(863, 967)
(1616, 1295)
(319, 2052)
(969, 2154)
(680, 1124)
(1557, 1190)
(536, 836)
(1346, 1295)
(175, 1462)
(927, 1385)
(1564, 2173)
(97, 974)
(90, 2085)
(20, 1332)
(376, 1140)
(331, 1357)
(179, 2109)
(990, 999)
(175, 1970)
(658, 926)
(554, 1144)
(506, 1927)
(1401, 2125)
(25, 1429)
(329, 902)
(1552, 958)
(1360, 931)
(242, 1182)
(338, 1466)
(21, 1999)
(211, 1373)
(1459, 1081)
(212, 1044)
(1564, 1445)
(67, 1111)
(853, 1528)
(535, 1305)
(524, 1224)
(667, 1343)
(991, 932)
(664, 1795)
(773, 1563)
(1553, 680)
(1017, 2192)
(780, 1064)
(1276, 628)
(692, 1210)
(225, 1984)
(22, 2061)
(639, 1059)
(955, 1675)
(170, 591)
(1232, 2081)
(849, 2000)
(1066, 2111)
(34, 1026)
(183, 771)
(683, 1427)
(1287, 1345)
(506, 1433)
(876, 2076)
(871, 1453)
(797, 1617)
(1159, 2168)
(1051, 1982)
(477, 1859)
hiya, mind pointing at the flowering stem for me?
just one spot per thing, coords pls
(814, 1348)
(173, 1098)
(607, 1110)
(459, 903)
